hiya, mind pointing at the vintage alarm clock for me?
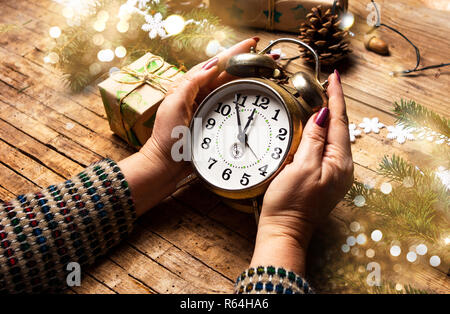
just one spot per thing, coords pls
(246, 131)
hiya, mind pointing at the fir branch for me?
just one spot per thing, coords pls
(396, 168)
(388, 287)
(417, 211)
(414, 115)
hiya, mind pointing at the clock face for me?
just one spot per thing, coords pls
(241, 134)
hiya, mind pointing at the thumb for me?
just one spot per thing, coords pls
(310, 150)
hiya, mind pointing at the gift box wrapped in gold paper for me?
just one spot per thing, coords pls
(132, 96)
(282, 15)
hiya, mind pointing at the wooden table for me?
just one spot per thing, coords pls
(192, 242)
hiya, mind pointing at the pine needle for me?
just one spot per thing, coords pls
(414, 115)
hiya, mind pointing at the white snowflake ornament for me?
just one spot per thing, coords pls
(353, 132)
(371, 125)
(400, 133)
(154, 26)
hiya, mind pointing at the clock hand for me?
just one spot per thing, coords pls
(241, 134)
(250, 118)
(246, 143)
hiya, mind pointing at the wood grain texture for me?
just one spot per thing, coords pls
(192, 242)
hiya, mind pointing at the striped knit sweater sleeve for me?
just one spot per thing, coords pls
(75, 221)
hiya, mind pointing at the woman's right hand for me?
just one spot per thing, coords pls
(305, 191)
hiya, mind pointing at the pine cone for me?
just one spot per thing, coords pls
(321, 31)
(185, 5)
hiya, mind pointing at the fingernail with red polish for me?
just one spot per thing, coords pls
(275, 56)
(322, 117)
(208, 65)
(256, 38)
(338, 76)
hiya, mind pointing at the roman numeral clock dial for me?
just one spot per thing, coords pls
(243, 137)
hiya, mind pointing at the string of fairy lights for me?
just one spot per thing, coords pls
(416, 49)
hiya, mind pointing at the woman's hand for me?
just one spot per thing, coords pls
(305, 191)
(152, 173)
(180, 103)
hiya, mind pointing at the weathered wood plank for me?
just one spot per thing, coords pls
(34, 86)
(116, 278)
(63, 125)
(14, 182)
(27, 167)
(13, 39)
(199, 275)
(201, 279)
(5, 195)
(89, 285)
(214, 245)
(45, 135)
(149, 272)
(55, 161)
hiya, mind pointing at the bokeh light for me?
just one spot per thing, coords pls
(411, 257)
(120, 52)
(347, 20)
(95, 68)
(351, 241)
(355, 226)
(361, 239)
(98, 39)
(123, 26)
(67, 12)
(395, 250)
(386, 188)
(174, 24)
(345, 248)
(421, 249)
(55, 32)
(370, 253)
(359, 201)
(213, 48)
(52, 58)
(435, 261)
(105, 55)
(99, 26)
(103, 16)
(376, 235)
